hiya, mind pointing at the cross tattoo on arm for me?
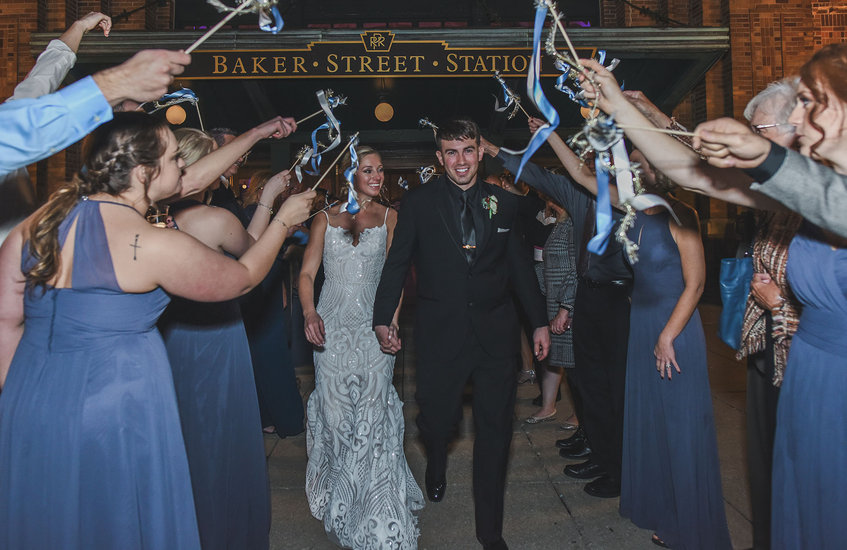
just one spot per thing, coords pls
(135, 247)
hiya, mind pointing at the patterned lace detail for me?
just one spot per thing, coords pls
(357, 479)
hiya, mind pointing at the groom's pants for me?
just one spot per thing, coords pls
(440, 385)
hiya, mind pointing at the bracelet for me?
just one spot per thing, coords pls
(279, 220)
(271, 210)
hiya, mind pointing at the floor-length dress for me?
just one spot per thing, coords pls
(91, 451)
(670, 480)
(357, 479)
(213, 376)
(810, 451)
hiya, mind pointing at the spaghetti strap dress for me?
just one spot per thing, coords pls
(91, 450)
(213, 376)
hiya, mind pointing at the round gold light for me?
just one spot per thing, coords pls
(384, 111)
(175, 114)
(585, 112)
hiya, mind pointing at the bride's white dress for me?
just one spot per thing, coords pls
(357, 479)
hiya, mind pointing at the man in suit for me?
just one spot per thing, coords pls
(457, 230)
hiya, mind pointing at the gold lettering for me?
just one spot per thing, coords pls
(452, 67)
(220, 64)
(298, 64)
(467, 59)
(279, 64)
(417, 60)
(377, 41)
(479, 66)
(238, 67)
(524, 62)
(332, 66)
(383, 63)
(257, 65)
(365, 62)
(348, 59)
(493, 60)
(399, 63)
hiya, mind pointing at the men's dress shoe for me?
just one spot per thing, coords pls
(435, 491)
(584, 453)
(576, 441)
(584, 470)
(603, 487)
(499, 545)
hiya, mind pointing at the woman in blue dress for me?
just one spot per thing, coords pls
(213, 377)
(91, 451)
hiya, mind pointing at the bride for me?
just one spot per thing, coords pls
(357, 479)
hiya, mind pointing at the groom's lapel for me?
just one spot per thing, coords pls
(445, 212)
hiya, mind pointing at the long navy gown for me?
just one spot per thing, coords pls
(810, 450)
(91, 451)
(670, 481)
(213, 377)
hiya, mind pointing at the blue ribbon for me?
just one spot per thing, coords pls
(352, 202)
(271, 22)
(603, 216)
(536, 94)
(316, 152)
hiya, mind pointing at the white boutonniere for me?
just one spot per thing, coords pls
(490, 203)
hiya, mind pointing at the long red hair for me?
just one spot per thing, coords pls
(826, 70)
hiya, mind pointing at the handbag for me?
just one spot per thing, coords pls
(735, 277)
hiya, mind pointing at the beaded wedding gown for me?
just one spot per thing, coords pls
(357, 479)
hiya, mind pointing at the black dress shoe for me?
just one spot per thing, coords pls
(583, 453)
(584, 470)
(576, 441)
(499, 545)
(604, 487)
(435, 492)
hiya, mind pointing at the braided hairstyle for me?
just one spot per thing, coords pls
(112, 151)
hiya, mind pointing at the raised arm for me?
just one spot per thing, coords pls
(208, 169)
(668, 155)
(11, 299)
(262, 216)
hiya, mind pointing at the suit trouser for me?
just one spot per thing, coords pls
(600, 334)
(762, 398)
(440, 386)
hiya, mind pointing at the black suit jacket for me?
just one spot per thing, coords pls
(452, 294)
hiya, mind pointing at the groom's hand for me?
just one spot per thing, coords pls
(389, 339)
(541, 342)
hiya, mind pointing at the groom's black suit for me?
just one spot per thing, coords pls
(466, 327)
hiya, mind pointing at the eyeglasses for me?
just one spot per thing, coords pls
(759, 127)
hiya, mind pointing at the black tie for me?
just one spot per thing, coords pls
(468, 231)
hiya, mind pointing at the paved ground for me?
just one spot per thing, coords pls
(544, 508)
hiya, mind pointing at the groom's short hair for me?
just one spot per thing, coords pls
(457, 128)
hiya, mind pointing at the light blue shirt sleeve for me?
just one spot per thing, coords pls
(33, 129)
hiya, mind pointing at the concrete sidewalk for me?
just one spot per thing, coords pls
(544, 508)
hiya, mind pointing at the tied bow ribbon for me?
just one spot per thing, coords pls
(425, 123)
(183, 95)
(327, 101)
(426, 173)
(352, 205)
(269, 18)
(536, 95)
(402, 183)
(511, 100)
(301, 160)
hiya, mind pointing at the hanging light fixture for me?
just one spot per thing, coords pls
(175, 114)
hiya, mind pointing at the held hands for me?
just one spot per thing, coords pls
(765, 291)
(727, 143)
(665, 356)
(389, 338)
(561, 322)
(314, 328)
(541, 342)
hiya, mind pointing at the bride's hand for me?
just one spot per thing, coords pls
(314, 327)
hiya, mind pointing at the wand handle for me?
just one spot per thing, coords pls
(568, 40)
(334, 162)
(302, 120)
(654, 129)
(244, 5)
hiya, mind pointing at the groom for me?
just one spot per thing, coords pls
(457, 230)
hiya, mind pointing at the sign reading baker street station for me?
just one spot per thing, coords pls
(377, 53)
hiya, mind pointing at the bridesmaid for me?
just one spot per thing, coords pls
(213, 376)
(91, 452)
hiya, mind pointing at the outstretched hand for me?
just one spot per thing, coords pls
(277, 127)
(604, 90)
(389, 338)
(727, 143)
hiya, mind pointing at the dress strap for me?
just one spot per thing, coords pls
(385, 219)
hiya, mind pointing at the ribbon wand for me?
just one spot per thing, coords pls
(221, 23)
(334, 162)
